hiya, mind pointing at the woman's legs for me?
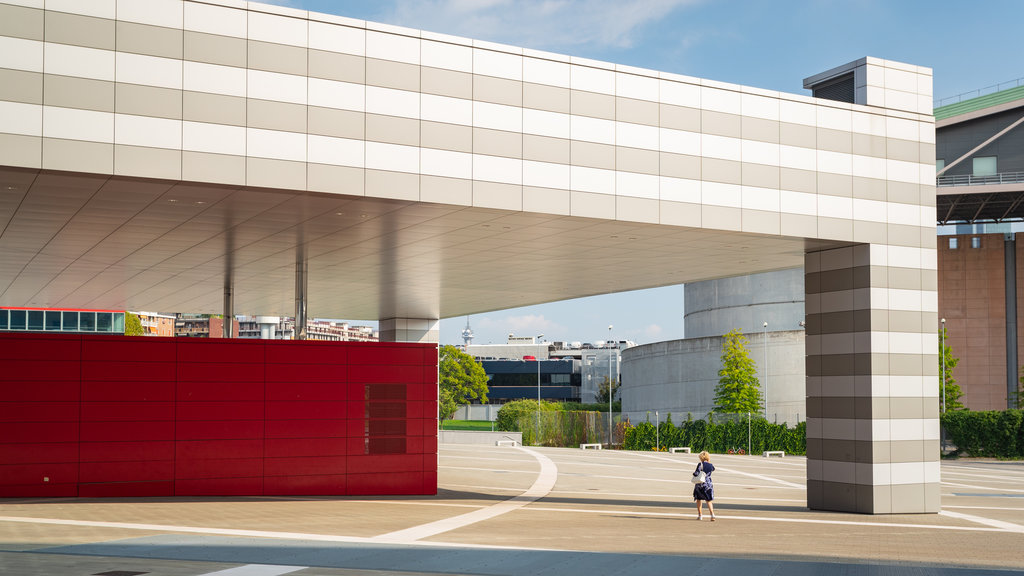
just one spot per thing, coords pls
(700, 508)
(711, 509)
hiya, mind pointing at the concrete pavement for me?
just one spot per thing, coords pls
(510, 511)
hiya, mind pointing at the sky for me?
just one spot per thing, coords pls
(770, 44)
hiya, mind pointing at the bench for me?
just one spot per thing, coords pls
(594, 446)
(683, 449)
(779, 453)
(506, 443)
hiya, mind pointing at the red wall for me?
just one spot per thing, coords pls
(96, 416)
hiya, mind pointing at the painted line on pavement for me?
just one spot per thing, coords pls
(748, 474)
(1007, 526)
(256, 570)
(541, 487)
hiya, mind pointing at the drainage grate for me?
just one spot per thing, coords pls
(119, 573)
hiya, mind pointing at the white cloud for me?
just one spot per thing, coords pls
(526, 325)
(542, 24)
(652, 332)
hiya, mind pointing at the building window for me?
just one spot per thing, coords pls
(940, 164)
(3, 319)
(35, 320)
(52, 320)
(984, 166)
(953, 243)
(975, 241)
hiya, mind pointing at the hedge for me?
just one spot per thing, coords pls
(993, 434)
(721, 437)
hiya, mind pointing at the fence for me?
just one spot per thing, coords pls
(569, 429)
(721, 433)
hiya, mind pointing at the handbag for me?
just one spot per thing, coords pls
(699, 478)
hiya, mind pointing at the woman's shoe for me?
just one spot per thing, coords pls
(712, 517)
(699, 517)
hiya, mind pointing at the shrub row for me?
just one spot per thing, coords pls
(993, 434)
(720, 437)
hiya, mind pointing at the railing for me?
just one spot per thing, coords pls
(979, 92)
(971, 180)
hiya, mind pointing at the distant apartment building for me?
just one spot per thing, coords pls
(272, 328)
(156, 324)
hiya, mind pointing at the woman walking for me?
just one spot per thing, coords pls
(704, 491)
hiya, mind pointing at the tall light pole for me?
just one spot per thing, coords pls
(609, 390)
(537, 360)
(942, 362)
(765, 345)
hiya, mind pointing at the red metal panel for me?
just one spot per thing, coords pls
(307, 391)
(387, 353)
(224, 410)
(355, 428)
(297, 447)
(429, 427)
(44, 347)
(414, 445)
(213, 449)
(327, 409)
(38, 411)
(140, 390)
(318, 485)
(50, 391)
(127, 411)
(218, 468)
(306, 428)
(33, 453)
(39, 371)
(219, 372)
(378, 374)
(219, 391)
(384, 463)
(309, 352)
(127, 489)
(219, 429)
(138, 471)
(47, 490)
(119, 431)
(221, 350)
(304, 466)
(39, 474)
(118, 348)
(305, 373)
(127, 371)
(355, 445)
(385, 483)
(219, 486)
(126, 451)
(17, 432)
(430, 480)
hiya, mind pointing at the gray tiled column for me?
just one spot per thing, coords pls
(872, 380)
(409, 330)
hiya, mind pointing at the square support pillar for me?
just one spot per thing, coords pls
(425, 330)
(872, 380)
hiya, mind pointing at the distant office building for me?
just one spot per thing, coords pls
(553, 380)
(61, 320)
(201, 326)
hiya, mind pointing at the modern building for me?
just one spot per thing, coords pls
(201, 326)
(215, 156)
(156, 324)
(679, 377)
(61, 321)
(551, 380)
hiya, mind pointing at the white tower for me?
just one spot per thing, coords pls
(467, 333)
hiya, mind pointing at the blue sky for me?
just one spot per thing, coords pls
(771, 44)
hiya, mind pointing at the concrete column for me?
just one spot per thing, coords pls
(301, 287)
(229, 311)
(872, 380)
(1010, 268)
(410, 330)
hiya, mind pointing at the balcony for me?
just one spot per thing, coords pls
(971, 180)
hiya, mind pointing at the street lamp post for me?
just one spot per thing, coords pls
(942, 363)
(765, 345)
(537, 360)
(609, 390)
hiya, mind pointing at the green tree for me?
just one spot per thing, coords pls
(133, 325)
(953, 391)
(602, 391)
(461, 380)
(1016, 399)
(738, 388)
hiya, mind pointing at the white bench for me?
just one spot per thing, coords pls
(779, 453)
(683, 449)
(594, 446)
(506, 443)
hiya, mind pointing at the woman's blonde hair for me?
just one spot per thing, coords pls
(704, 456)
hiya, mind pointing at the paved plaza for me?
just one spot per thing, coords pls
(511, 511)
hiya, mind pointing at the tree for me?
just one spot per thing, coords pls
(602, 391)
(953, 391)
(133, 325)
(461, 379)
(738, 388)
